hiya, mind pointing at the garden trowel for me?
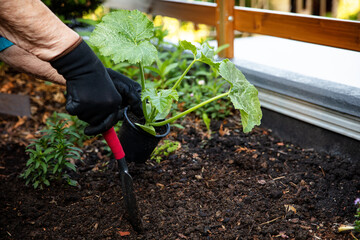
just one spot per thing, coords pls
(126, 179)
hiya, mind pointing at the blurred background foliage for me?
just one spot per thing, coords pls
(70, 9)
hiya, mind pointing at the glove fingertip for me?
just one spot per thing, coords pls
(105, 125)
(91, 131)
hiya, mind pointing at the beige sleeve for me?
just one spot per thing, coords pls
(32, 26)
(24, 61)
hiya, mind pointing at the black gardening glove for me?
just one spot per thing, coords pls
(129, 90)
(91, 93)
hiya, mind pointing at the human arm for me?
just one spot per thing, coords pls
(26, 62)
(30, 25)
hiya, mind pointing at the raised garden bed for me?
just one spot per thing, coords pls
(231, 186)
(311, 97)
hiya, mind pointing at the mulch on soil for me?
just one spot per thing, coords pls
(230, 186)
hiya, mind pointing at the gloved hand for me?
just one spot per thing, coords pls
(91, 93)
(129, 90)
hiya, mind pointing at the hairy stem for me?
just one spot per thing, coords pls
(153, 114)
(183, 75)
(142, 75)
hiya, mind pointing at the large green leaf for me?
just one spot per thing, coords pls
(243, 95)
(204, 53)
(161, 99)
(71, 166)
(162, 115)
(148, 93)
(147, 128)
(188, 46)
(124, 36)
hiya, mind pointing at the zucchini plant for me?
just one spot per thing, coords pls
(125, 36)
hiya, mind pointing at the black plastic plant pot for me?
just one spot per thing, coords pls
(138, 144)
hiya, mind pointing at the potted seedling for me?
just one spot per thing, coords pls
(125, 36)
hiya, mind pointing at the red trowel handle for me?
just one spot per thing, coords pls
(113, 141)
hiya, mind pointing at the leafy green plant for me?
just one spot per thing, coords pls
(207, 121)
(202, 84)
(49, 156)
(74, 126)
(163, 68)
(125, 36)
(194, 92)
(159, 35)
(170, 60)
(164, 150)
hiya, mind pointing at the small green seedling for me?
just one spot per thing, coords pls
(50, 155)
(164, 150)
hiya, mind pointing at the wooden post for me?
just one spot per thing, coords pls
(225, 26)
(323, 8)
(299, 6)
(335, 4)
(309, 7)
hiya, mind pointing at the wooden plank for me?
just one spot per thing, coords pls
(225, 26)
(320, 30)
(197, 12)
(326, 31)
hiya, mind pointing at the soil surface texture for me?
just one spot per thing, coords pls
(227, 185)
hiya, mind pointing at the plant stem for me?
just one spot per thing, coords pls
(170, 120)
(345, 228)
(142, 75)
(183, 75)
(353, 236)
(153, 114)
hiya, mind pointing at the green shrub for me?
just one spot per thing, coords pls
(51, 154)
(74, 125)
(196, 91)
(203, 83)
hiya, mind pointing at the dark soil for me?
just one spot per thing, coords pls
(231, 186)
